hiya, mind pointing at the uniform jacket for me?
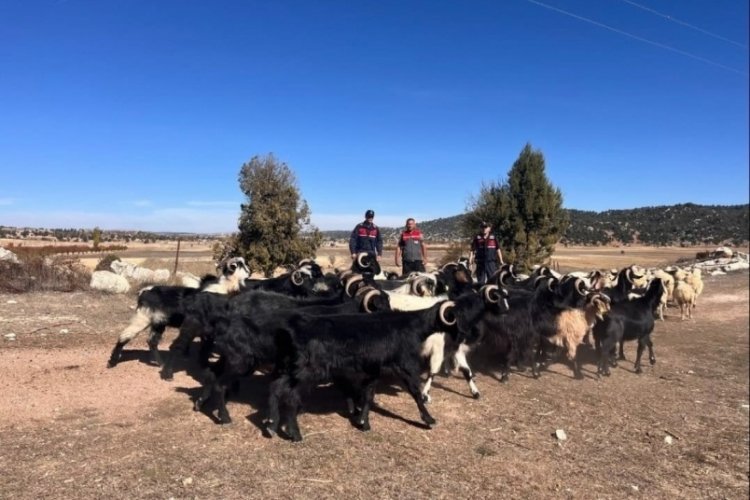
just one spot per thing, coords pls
(366, 238)
(411, 244)
(485, 249)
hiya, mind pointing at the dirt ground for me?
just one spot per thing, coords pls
(71, 428)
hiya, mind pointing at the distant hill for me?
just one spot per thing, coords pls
(685, 224)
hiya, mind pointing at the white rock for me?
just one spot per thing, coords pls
(560, 434)
(10, 336)
(668, 439)
(187, 481)
(109, 282)
(690, 372)
(8, 255)
(64, 330)
(161, 275)
(11, 302)
(634, 487)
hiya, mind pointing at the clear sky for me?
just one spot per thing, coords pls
(138, 114)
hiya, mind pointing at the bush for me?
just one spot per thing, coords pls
(37, 274)
(453, 252)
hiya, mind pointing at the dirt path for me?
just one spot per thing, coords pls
(71, 428)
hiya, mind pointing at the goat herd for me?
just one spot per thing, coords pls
(350, 328)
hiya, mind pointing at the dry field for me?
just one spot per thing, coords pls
(71, 428)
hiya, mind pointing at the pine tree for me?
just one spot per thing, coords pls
(525, 211)
(274, 224)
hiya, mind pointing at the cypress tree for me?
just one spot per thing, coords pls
(525, 211)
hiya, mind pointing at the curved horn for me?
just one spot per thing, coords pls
(352, 280)
(580, 286)
(490, 293)
(448, 265)
(345, 274)
(417, 285)
(305, 262)
(297, 278)
(360, 258)
(634, 272)
(444, 307)
(368, 297)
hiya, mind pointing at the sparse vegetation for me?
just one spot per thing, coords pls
(37, 273)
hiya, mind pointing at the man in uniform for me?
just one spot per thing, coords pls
(485, 252)
(411, 249)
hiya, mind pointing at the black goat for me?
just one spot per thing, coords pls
(314, 349)
(209, 313)
(163, 306)
(628, 320)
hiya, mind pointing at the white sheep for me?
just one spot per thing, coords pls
(684, 296)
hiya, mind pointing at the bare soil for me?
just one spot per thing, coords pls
(71, 428)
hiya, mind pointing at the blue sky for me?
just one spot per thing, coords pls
(135, 114)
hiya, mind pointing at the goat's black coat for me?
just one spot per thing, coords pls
(314, 349)
(628, 320)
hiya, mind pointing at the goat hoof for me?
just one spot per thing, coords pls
(476, 395)
(426, 399)
(198, 404)
(504, 379)
(652, 361)
(639, 370)
(167, 376)
(111, 364)
(579, 376)
(363, 426)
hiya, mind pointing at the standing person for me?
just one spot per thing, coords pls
(411, 247)
(485, 252)
(366, 238)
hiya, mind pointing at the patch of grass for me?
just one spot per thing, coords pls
(37, 273)
(485, 451)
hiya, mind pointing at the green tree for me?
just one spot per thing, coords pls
(274, 224)
(525, 211)
(96, 237)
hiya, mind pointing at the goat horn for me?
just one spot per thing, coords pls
(297, 278)
(417, 284)
(368, 296)
(360, 258)
(490, 293)
(448, 304)
(351, 280)
(580, 286)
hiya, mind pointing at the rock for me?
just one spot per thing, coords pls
(668, 439)
(11, 302)
(560, 435)
(718, 272)
(690, 372)
(634, 487)
(10, 336)
(161, 275)
(187, 481)
(188, 279)
(8, 255)
(64, 331)
(109, 282)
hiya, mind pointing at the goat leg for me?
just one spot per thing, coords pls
(639, 353)
(153, 343)
(651, 357)
(410, 378)
(463, 365)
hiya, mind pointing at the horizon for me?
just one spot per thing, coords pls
(141, 114)
(397, 226)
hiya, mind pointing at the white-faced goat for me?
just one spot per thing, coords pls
(162, 306)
